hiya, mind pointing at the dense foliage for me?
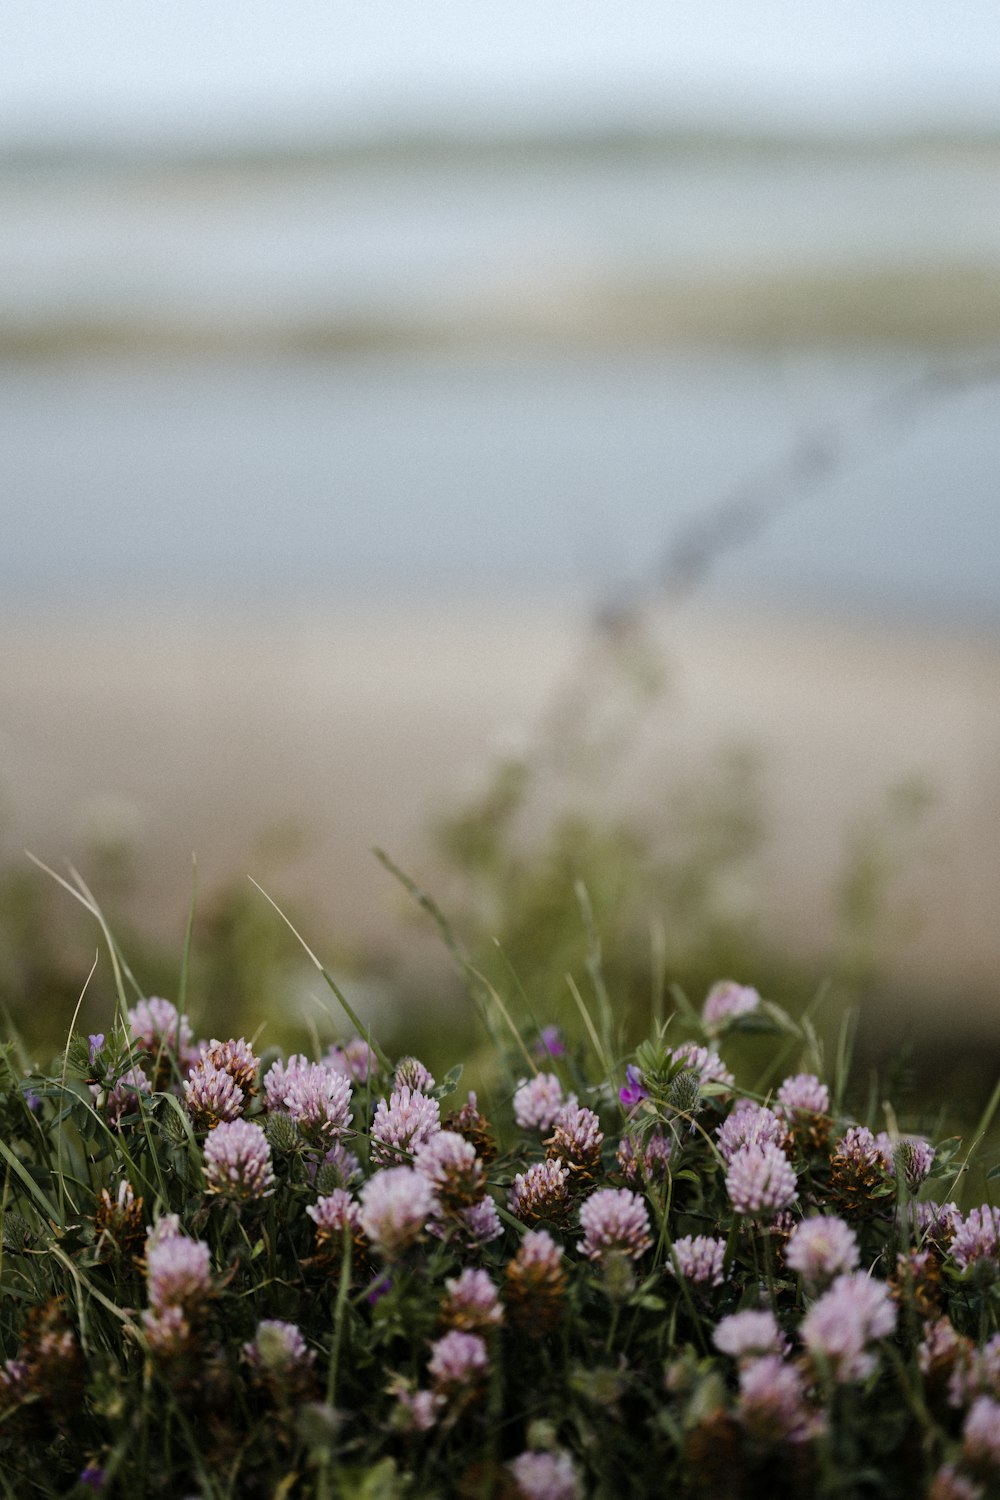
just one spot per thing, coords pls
(231, 1273)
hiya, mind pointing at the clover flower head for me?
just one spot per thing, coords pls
(395, 1205)
(178, 1271)
(538, 1102)
(614, 1220)
(577, 1137)
(706, 1065)
(156, 1024)
(333, 1215)
(913, 1156)
(822, 1248)
(237, 1058)
(450, 1164)
(772, 1405)
(416, 1411)
(981, 1434)
(938, 1221)
(212, 1094)
(803, 1093)
(315, 1095)
(750, 1334)
(748, 1124)
(699, 1259)
(238, 1162)
(760, 1181)
(642, 1160)
(411, 1074)
(977, 1238)
(458, 1361)
(478, 1224)
(949, 1484)
(337, 1168)
(168, 1330)
(122, 1099)
(402, 1124)
(545, 1476)
(472, 1303)
(542, 1192)
(726, 1000)
(278, 1348)
(840, 1327)
(863, 1149)
(356, 1060)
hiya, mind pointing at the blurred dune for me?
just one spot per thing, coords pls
(357, 726)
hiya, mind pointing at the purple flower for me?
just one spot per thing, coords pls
(839, 1328)
(402, 1125)
(614, 1221)
(938, 1221)
(95, 1043)
(699, 1260)
(356, 1060)
(458, 1360)
(577, 1137)
(92, 1475)
(550, 1043)
(238, 1162)
(760, 1181)
(33, 1100)
(545, 1476)
(949, 1484)
(478, 1224)
(820, 1249)
(416, 1411)
(706, 1066)
(727, 1000)
(634, 1089)
(538, 1102)
(395, 1206)
(866, 1151)
(914, 1157)
(749, 1335)
(411, 1074)
(157, 1026)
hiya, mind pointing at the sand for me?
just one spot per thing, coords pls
(359, 723)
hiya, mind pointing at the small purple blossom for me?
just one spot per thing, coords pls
(95, 1044)
(644, 1160)
(840, 1327)
(550, 1043)
(211, 1094)
(614, 1221)
(938, 1221)
(539, 1101)
(820, 1249)
(395, 1205)
(315, 1095)
(93, 1476)
(411, 1074)
(416, 1411)
(478, 1224)
(750, 1335)
(760, 1181)
(333, 1215)
(699, 1259)
(726, 1000)
(634, 1089)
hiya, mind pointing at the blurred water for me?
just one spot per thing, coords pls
(303, 480)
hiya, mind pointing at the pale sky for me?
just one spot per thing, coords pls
(207, 66)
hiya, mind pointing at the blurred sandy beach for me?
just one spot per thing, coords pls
(357, 726)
